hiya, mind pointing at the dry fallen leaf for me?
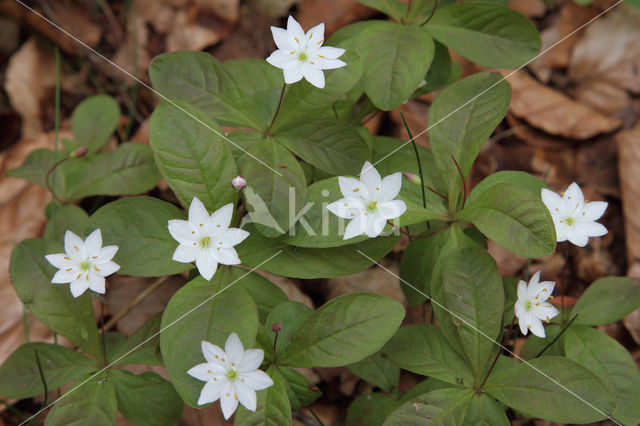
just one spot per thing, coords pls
(605, 62)
(554, 112)
(334, 13)
(628, 172)
(373, 280)
(290, 288)
(632, 324)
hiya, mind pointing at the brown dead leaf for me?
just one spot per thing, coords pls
(75, 19)
(196, 28)
(632, 324)
(210, 415)
(290, 288)
(373, 280)
(229, 10)
(529, 8)
(273, 8)
(509, 264)
(605, 62)
(554, 112)
(628, 171)
(30, 77)
(334, 13)
(596, 165)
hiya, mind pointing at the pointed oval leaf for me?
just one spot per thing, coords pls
(273, 406)
(607, 300)
(94, 403)
(439, 407)
(94, 120)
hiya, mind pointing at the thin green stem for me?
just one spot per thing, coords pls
(44, 384)
(415, 149)
(315, 415)
(273, 120)
(495, 360)
(464, 182)
(25, 323)
(555, 339)
(56, 129)
(435, 5)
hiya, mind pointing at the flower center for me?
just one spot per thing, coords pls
(302, 56)
(85, 265)
(232, 374)
(570, 221)
(205, 241)
(372, 206)
(528, 305)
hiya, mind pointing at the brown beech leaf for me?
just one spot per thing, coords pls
(605, 62)
(554, 112)
(334, 13)
(529, 8)
(373, 280)
(628, 171)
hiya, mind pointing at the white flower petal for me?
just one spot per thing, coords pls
(356, 227)
(293, 74)
(97, 283)
(231, 237)
(234, 349)
(561, 231)
(246, 396)
(523, 322)
(63, 276)
(576, 237)
(536, 327)
(593, 210)
(591, 229)
(330, 52)
(186, 253)
(552, 200)
(545, 288)
(251, 360)
(106, 268)
(353, 188)
(390, 187)
(59, 260)
(93, 243)
(228, 400)
(74, 246)
(375, 225)
(282, 38)
(313, 75)
(391, 209)
(226, 256)
(574, 194)
(522, 290)
(221, 218)
(370, 177)
(294, 29)
(316, 35)
(257, 380)
(330, 64)
(282, 59)
(198, 215)
(206, 371)
(107, 252)
(213, 353)
(78, 287)
(347, 208)
(181, 231)
(544, 311)
(534, 288)
(206, 264)
(210, 393)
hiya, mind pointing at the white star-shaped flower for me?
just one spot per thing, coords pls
(232, 375)
(369, 202)
(85, 263)
(206, 239)
(574, 219)
(302, 55)
(532, 307)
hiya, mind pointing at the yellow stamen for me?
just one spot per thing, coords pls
(320, 56)
(296, 39)
(310, 35)
(356, 190)
(76, 247)
(68, 258)
(96, 268)
(68, 269)
(320, 42)
(78, 277)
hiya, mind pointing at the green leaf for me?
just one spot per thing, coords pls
(201, 310)
(534, 344)
(35, 167)
(273, 199)
(520, 179)
(195, 161)
(127, 170)
(611, 362)
(487, 34)
(607, 300)
(290, 314)
(138, 225)
(423, 349)
(461, 119)
(378, 371)
(470, 310)
(417, 264)
(553, 388)
(510, 286)
(440, 407)
(94, 120)
(370, 409)
(147, 398)
(265, 294)
(200, 80)
(300, 390)
(273, 405)
(320, 141)
(280, 258)
(343, 331)
(92, 404)
(242, 142)
(143, 347)
(393, 8)
(19, 375)
(53, 304)
(484, 410)
(442, 72)
(302, 100)
(395, 58)
(62, 217)
(514, 218)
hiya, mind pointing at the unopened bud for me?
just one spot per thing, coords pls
(277, 326)
(412, 177)
(238, 183)
(79, 152)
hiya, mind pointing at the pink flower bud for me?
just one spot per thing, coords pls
(412, 177)
(238, 183)
(79, 152)
(277, 326)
